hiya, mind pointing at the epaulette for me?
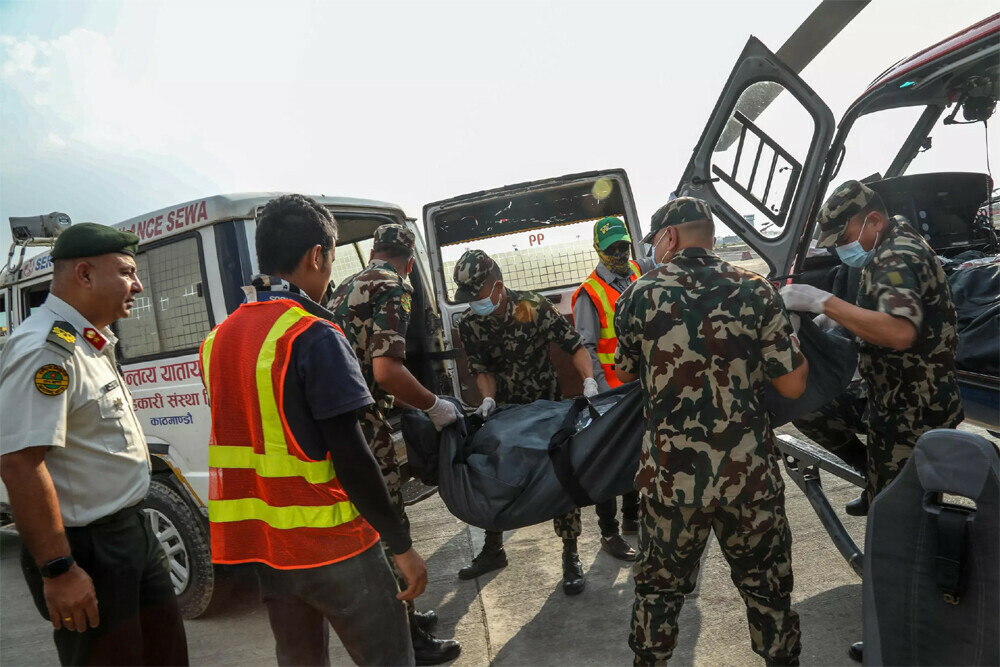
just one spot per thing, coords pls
(63, 335)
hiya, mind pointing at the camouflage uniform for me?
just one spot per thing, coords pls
(705, 338)
(514, 348)
(373, 309)
(909, 391)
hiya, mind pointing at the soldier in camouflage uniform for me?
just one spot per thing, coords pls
(905, 323)
(705, 338)
(373, 309)
(506, 336)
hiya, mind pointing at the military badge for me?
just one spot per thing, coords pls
(94, 338)
(406, 301)
(51, 379)
(524, 311)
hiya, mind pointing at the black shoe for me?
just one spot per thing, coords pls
(573, 581)
(425, 620)
(630, 526)
(428, 650)
(618, 547)
(858, 506)
(489, 559)
(856, 651)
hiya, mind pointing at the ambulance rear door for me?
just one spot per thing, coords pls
(541, 235)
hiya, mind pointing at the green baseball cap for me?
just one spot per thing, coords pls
(610, 230)
(847, 201)
(678, 211)
(88, 239)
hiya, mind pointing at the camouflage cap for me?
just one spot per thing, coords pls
(677, 211)
(89, 239)
(847, 201)
(610, 230)
(394, 234)
(472, 270)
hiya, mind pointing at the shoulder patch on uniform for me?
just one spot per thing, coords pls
(63, 334)
(51, 379)
(406, 302)
(895, 278)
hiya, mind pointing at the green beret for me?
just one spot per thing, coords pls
(88, 239)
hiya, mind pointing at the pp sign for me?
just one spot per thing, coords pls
(535, 239)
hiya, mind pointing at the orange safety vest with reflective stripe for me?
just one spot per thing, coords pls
(603, 297)
(268, 502)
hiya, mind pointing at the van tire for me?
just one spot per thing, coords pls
(184, 537)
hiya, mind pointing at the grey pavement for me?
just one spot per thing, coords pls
(519, 615)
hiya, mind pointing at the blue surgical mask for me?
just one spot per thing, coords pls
(483, 307)
(854, 254)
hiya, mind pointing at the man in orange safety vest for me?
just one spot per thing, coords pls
(594, 316)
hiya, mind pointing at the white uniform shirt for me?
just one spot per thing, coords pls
(70, 397)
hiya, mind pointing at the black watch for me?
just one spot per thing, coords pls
(57, 566)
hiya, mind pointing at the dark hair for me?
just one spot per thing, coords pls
(287, 227)
(392, 251)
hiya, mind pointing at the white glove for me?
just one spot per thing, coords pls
(804, 298)
(590, 387)
(487, 407)
(825, 322)
(442, 413)
(796, 320)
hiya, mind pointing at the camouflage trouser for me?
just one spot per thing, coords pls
(757, 543)
(836, 426)
(891, 434)
(378, 434)
(568, 526)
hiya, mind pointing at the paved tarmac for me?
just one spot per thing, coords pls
(519, 615)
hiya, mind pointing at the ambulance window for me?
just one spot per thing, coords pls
(349, 259)
(541, 239)
(3, 314)
(171, 314)
(32, 298)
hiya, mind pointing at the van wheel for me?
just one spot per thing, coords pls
(184, 538)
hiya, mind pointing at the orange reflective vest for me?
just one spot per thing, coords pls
(268, 502)
(603, 296)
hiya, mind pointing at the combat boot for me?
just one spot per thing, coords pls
(858, 506)
(618, 547)
(429, 650)
(573, 581)
(425, 620)
(492, 557)
(856, 651)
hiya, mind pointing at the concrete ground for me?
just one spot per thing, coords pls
(519, 615)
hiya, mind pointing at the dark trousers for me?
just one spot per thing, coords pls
(607, 510)
(356, 596)
(140, 623)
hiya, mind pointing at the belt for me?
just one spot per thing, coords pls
(117, 517)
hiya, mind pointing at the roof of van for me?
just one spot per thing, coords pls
(196, 213)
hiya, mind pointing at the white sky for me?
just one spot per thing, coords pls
(111, 109)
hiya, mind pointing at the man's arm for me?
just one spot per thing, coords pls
(588, 325)
(581, 360)
(487, 385)
(875, 327)
(792, 385)
(624, 376)
(395, 378)
(359, 474)
(35, 506)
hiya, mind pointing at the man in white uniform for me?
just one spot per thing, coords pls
(76, 466)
